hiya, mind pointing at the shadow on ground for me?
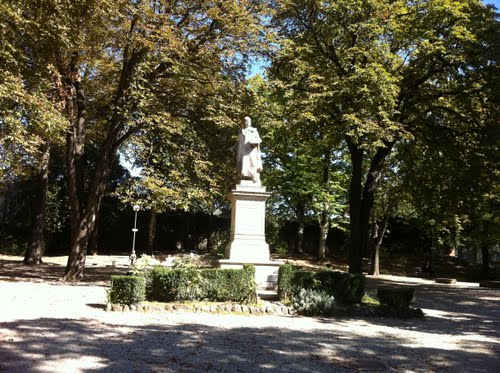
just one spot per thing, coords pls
(90, 346)
(462, 310)
(14, 270)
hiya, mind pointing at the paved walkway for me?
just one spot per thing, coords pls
(46, 326)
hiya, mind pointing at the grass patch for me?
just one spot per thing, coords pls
(369, 300)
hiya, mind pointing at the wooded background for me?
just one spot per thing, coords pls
(379, 118)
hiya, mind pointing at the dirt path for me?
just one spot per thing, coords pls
(47, 326)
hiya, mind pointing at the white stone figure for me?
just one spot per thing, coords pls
(249, 162)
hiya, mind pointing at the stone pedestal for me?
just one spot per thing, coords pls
(248, 237)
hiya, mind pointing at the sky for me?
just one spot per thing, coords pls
(494, 2)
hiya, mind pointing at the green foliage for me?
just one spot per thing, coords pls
(231, 284)
(314, 303)
(103, 71)
(370, 300)
(396, 297)
(189, 283)
(127, 289)
(143, 268)
(299, 168)
(13, 244)
(381, 75)
(281, 249)
(285, 275)
(189, 98)
(291, 281)
(176, 284)
(344, 287)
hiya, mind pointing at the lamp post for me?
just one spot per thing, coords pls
(133, 257)
(432, 223)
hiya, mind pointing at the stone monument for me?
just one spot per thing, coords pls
(248, 213)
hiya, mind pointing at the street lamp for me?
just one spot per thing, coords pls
(432, 223)
(133, 257)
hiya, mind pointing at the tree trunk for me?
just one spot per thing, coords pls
(300, 212)
(94, 238)
(374, 265)
(355, 250)
(151, 232)
(323, 234)
(376, 240)
(75, 146)
(82, 228)
(78, 252)
(36, 244)
(84, 209)
(186, 240)
(325, 221)
(485, 265)
(361, 201)
(210, 231)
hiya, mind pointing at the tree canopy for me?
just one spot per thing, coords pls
(367, 108)
(381, 73)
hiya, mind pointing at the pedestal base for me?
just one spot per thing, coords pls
(248, 220)
(248, 239)
(266, 272)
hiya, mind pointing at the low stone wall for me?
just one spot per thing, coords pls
(269, 309)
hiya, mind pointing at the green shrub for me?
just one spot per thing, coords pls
(314, 303)
(13, 244)
(127, 289)
(143, 268)
(344, 287)
(189, 283)
(285, 274)
(396, 297)
(236, 285)
(304, 280)
(179, 284)
(281, 249)
(291, 281)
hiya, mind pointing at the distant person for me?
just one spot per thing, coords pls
(427, 268)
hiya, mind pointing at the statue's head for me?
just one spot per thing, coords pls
(248, 122)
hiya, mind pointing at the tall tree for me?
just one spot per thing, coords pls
(161, 60)
(379, 70)
(299, 158)
(32, 119)
(118, 69)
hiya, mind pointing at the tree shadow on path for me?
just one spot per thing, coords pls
(460, 310)
(14, 270)
(59, 345)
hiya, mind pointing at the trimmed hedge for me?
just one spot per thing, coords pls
(127, 289)
(180, 284)
(344, 287)
(168, 285)
(231, 284)
(396, 297)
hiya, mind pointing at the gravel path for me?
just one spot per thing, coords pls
(54, 327)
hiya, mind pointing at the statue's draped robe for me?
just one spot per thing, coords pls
(249, 160)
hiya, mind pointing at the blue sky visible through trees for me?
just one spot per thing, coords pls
(258, 67)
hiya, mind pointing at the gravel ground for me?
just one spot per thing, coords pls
(46, 326)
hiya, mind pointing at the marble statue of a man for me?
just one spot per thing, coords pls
(249, 161)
